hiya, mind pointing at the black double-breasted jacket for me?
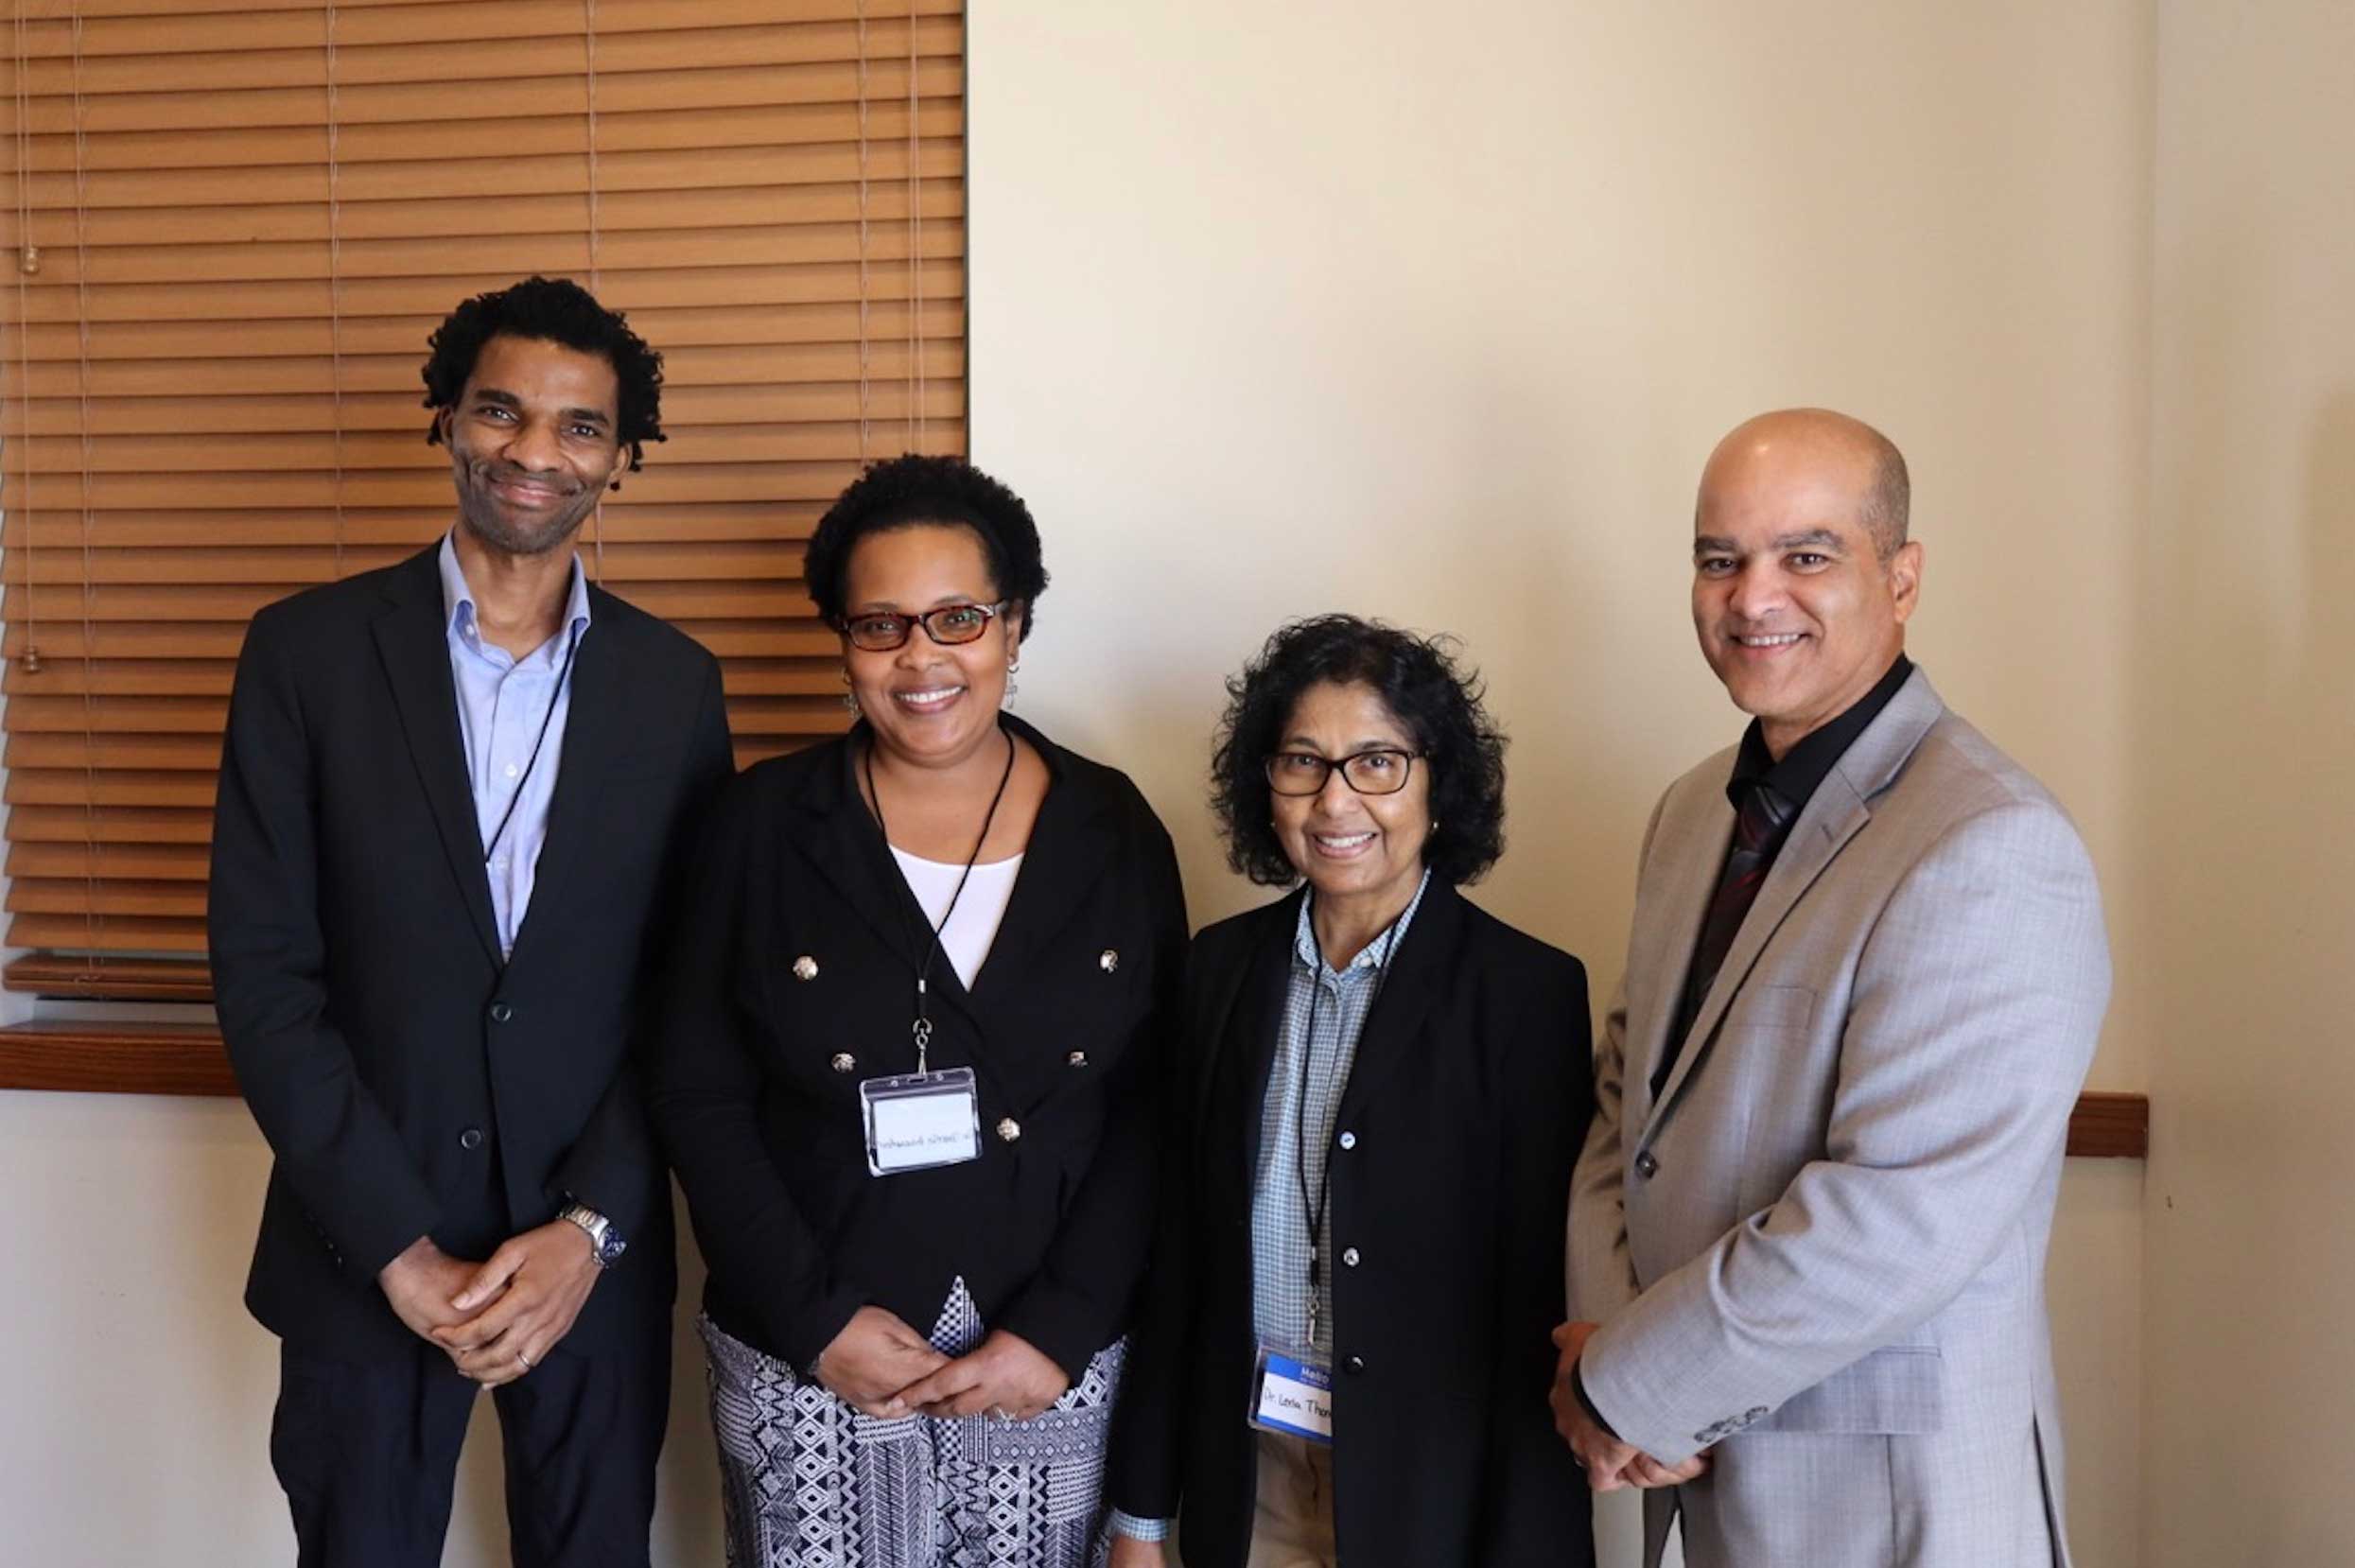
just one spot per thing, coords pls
(1463, 1114)
(409, 1081)
(794, 980)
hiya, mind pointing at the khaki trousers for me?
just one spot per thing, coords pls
(1292, 1526)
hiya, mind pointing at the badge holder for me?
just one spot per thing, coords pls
(921, 1120)
(1292, 1394)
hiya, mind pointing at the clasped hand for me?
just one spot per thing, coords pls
(880, 1366)
(1609, 1463)
(498, 1319)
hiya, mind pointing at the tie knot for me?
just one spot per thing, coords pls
(1761, 815)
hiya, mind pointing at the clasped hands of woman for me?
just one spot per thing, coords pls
(880, 1366)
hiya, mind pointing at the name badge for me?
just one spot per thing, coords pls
(921, 1120)
(1293, 1394)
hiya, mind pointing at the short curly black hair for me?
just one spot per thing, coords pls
(550, 310)
(1418, 679)
(913, 489)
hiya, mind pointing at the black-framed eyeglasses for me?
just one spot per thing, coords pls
(950, 624)
(1376, 770)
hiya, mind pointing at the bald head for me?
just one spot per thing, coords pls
(1835, 450)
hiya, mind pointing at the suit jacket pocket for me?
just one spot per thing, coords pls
(1761, 1008)
(1895, 1392)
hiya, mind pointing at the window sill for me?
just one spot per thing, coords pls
(167, 1058)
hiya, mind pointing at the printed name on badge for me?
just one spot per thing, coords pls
(921, 1120)
(1295, 1396)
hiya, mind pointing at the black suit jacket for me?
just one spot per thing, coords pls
(1063, 1028)
(409, 1082)
(1467, 1104)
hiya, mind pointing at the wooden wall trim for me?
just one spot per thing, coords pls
(115, 1058)
(2110, 1126)
(162, 1058)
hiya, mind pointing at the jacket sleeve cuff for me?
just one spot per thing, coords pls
(1140, 1529)
(1586, 1403)
(804, 1336)
(1059, 1324)
(370, 1241)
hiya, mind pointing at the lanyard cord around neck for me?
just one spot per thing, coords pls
(1314, 1204)
(573, 647)
(923, 1026)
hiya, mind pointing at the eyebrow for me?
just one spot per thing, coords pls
(1302, 742)
(947, 601)
(1813, 538)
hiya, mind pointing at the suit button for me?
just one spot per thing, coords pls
(1349, 1257)
(500, 1012)
(1354, 1364)
(470, 1139)
(1347, 1140)
(1645, 1165)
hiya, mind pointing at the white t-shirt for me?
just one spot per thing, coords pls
(974, 925)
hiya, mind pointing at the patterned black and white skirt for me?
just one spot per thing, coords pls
(809, 1482)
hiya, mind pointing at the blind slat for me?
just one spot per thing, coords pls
(145, 29)
(461, 145)
(52, 112)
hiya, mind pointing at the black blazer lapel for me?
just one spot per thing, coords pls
(837, 835)
(598, 728)
(1247, 1041)
(1417, 972)
(1070, 848)
(413, 640)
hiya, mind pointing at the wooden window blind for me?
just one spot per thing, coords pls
(229, 232)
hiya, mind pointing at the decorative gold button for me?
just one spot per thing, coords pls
(1108, 960)
(1077, 1058)
(844, 1061)
(1010, 1129)
(805, 967)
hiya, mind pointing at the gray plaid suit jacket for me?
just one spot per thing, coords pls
(1821, 1251)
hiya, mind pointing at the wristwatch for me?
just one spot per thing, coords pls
(606, 1243)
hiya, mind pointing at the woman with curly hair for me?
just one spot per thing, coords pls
(919, 987)
(1343, 1358)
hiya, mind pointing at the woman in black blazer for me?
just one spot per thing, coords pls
(1380, 1095)
(925, 1210)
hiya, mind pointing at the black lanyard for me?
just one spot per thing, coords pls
(923, 1025)
(1315, 1203)
(563, 674)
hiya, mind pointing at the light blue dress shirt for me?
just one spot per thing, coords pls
(502, 704)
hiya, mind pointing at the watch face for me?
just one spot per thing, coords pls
(610, 1250)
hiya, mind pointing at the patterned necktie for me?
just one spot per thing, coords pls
(1759, 825)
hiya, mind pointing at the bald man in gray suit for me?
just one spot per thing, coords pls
(1864, 981)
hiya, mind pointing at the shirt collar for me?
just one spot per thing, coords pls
(1809, 763)
(1375, 954)
(458, 599)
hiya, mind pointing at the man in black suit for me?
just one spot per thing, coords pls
(453, 804)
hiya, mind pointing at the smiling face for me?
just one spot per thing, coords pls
(1796, 611)
(929, 704)
(532, 441)
(1354, 848)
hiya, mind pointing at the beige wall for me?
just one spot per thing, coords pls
(2245, 749)
(1285, 307)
